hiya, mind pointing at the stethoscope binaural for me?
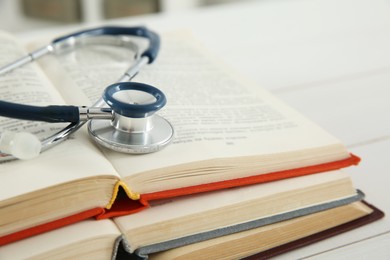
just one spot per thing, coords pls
(123, 119)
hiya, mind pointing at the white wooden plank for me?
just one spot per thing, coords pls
(373, 248)
(355, 110)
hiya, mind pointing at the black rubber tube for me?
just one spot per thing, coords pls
(52, 114)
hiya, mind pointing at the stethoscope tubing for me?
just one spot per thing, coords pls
(74, 114)
(140, 31)
(51, 114)
(67, 41)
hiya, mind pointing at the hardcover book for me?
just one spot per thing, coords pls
(278, 238)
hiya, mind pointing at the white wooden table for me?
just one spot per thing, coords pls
(329, 59)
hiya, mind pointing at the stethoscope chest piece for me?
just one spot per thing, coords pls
(134, 127)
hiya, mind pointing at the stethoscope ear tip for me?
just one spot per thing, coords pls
(22, 145)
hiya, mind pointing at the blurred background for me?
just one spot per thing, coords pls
(24, 15)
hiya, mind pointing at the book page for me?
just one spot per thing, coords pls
(82, 74)
(215, 114)
(76, 239)
(64, 163)
(26, 85)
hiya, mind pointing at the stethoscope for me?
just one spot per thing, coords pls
(123, 119)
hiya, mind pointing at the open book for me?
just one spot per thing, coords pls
(191, 225)
(228, 132)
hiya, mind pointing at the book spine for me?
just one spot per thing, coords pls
(121, 185)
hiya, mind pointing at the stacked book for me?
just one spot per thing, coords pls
(246, 176)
